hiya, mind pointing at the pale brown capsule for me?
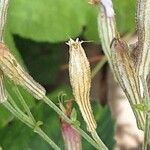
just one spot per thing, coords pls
(125, 73)
(3, 96)
(12, 69)
(80, 78)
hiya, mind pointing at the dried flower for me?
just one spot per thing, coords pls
(80, 78)
(3, 96)
(125, 73)
(12, 69)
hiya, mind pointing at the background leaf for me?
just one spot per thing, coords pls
(47, 20)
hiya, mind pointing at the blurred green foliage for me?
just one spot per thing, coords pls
(35, 32)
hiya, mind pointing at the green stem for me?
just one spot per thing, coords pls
(146, 132)
(56, 109)
(18, 114)
(98, 140)
(46, 138)
(78, 129)
(28, 121)
(98, 66)
(22, 115)
(23, 103)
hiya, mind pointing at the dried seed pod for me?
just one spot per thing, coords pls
(3, 96)
(80, 78)
(12, 69)
(125, 73)
(124, 66)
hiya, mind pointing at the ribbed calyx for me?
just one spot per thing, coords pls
(80, 79)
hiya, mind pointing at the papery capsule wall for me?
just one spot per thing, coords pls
(80, 78)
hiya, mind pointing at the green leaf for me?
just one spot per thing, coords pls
(5, 116)
(57, 21)
(15, 136)
(91, 28)
(125, 15)
(73, 115)
(47, 20)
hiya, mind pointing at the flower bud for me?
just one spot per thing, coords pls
(12, 69)
(80, 78)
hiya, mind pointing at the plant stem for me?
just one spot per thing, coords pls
(146, 132)
(46, 138)
(98, 66)
(14, 105)
(22, 117)
(147, 118)
(28, 121)
(87, 137)
(98, 140)
(78, 129)
(23, 103)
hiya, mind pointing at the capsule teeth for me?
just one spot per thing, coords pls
(17, 74)
(77, 40)
(71, 41)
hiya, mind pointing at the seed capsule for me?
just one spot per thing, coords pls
(80, 78)
(125, 73)
(12, 69)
